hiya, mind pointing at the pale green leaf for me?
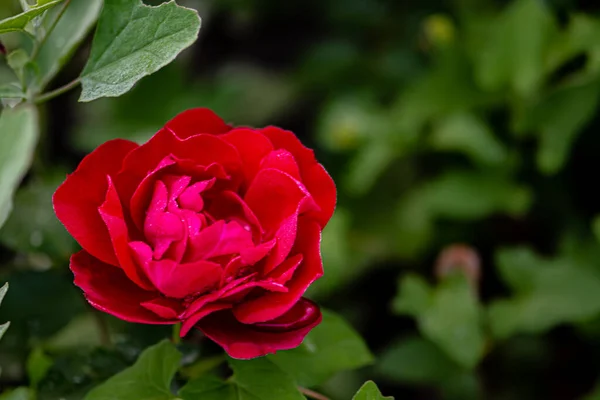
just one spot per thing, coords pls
(417, 361)
(515, 48)
(331, 347)
(20, 21)
(21, 393)
(67, 35)
(149, 378)
(38, 364)
(453, 322)
(132, 41)
(559, 117)
(3, 328)
(18, 137)
(11, 91)
(414, 296)
(548, 292)
(370, 391)
(470, 135)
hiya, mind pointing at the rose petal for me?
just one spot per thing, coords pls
(108, 289)
(314, 176)
(252, 147)
(199, 151)
(177, 280)
(76, 201)
(273, 196)
(197, 120)
(243, 341)
(230, 206)
(163, 307)
(112, 215)
(282, 160)
(272, 305)
(219, 239)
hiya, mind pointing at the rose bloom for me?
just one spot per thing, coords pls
(209, 225)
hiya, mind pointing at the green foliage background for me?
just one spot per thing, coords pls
(443, 122)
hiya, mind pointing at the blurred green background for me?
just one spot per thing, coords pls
(442, 122)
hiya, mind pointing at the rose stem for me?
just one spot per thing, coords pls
(176, 338)
(312, 394)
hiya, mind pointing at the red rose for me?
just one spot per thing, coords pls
(205, 224)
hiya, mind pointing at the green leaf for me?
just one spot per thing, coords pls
(4, 326)
(209, 387)
(370, 391)
(331, 347)
(257, 379)
(20, 21)
(18, 137)
(32, 227)
(417, 361)
(414, 296)
(38, 364)
(132, 41)
(452, 321)
(469, 195)
(559, 117)
(548, 292)
(67, 35)
(515, 47)
(470, 135)
(448, 315)
(11, 91)
(21, 393)
(149, 378)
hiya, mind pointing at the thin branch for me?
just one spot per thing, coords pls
(312, 394)
(176, 338)
(57, 92)
(38, 45)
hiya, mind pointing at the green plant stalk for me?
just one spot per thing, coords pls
(57, 92)
(176, 338)
(38, 45)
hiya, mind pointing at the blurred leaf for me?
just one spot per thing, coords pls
(331, 347)
(414, 296)
(347, 123)
(20, 21)
(559, 117)
(11, 91)
(452, 321)
(256, 379)
(21, 393)
(468, 195)
(32, 226)
(17, 60)
(416, 360)
(18, 138)
(38, 365)
(547, 293)
(516, 47)
(81, 332)
(370, 162)
(470, 135)
(3, 327)
(71, 30)
(149, 378)
(148, 39)
(202, 366)
(369, 391)
(449, 316)
(446, 89)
